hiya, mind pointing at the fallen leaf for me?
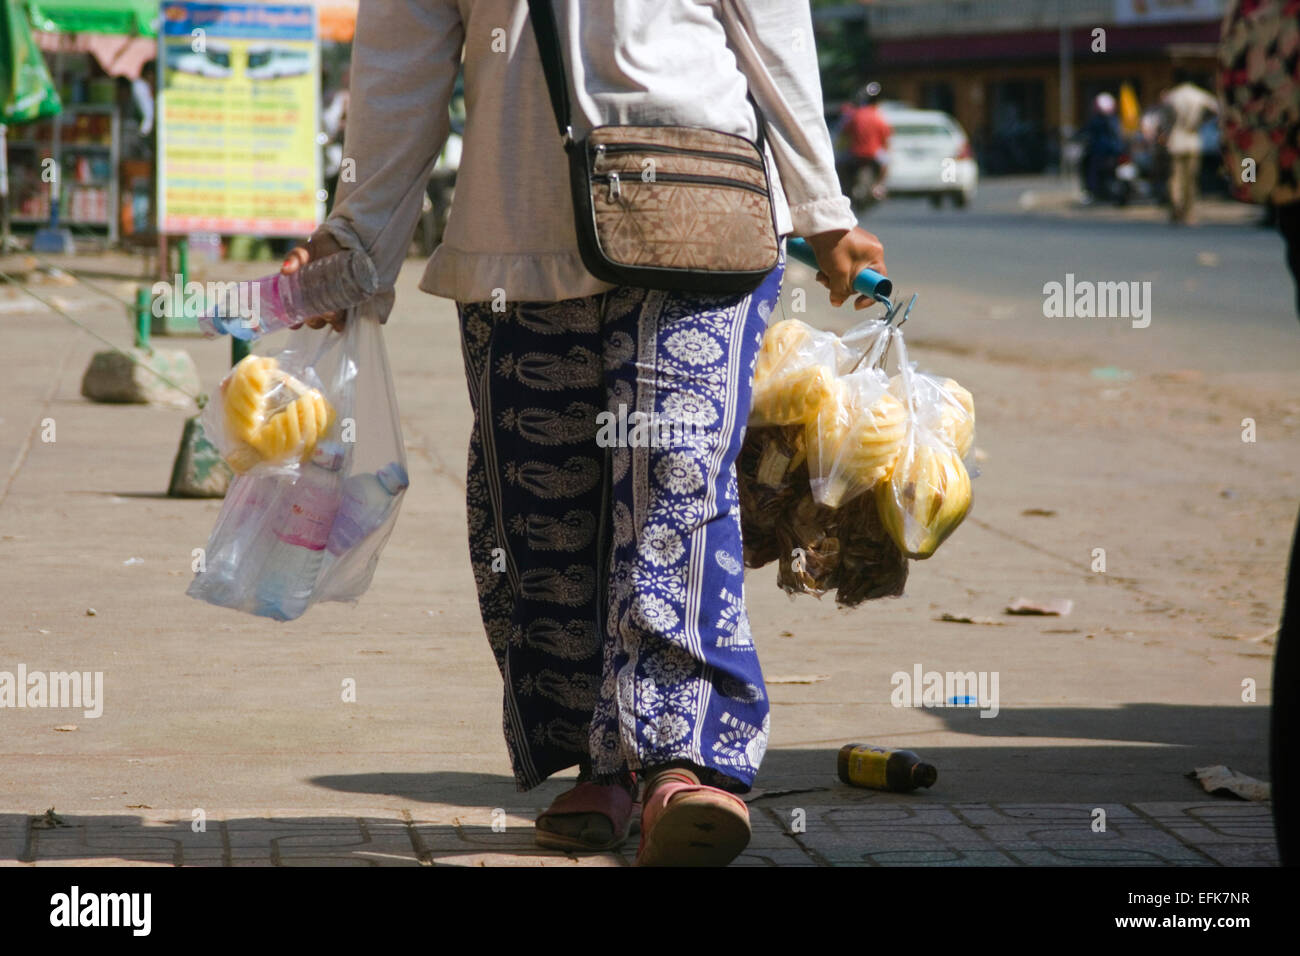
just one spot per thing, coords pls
(138, 806)
(1056, 607)
(66, 728)
(966, 619)
(797, 679)
(91, 612)
(1038, 512)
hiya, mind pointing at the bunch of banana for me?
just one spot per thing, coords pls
(854, 442)
(956, 425)
(270, 415)
(926, 497)
(947, 408)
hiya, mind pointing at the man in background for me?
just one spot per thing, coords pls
(1102, 145)
(1187, 105)
(867, 133)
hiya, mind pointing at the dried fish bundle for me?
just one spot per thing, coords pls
(818, 548)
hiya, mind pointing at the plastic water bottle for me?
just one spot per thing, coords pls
(367, 500)
(243, 544)
(301, 528)
(249, 310)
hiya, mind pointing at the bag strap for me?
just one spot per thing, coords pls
(547, 34)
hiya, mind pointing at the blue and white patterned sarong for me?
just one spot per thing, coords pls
(604, 527)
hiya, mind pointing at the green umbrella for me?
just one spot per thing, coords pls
(26, 91)
(126, 17)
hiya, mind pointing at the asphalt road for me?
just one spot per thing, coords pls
(1220, 293)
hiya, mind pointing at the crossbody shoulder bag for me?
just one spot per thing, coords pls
(663, 207)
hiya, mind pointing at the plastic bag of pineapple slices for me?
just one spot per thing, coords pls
(794, 373)
(928, 491)
(313, 434)
(825, 441)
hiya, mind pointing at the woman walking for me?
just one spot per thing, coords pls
(608, 568)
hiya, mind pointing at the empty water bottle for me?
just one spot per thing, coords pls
(249, 310)
(367, 501)
(301, 527)
(241, 542)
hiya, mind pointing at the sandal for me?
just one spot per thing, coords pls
(684, 823)
(613, 802)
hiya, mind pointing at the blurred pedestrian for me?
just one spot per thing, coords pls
(1102, 146)
(610, 580)
(1259, 87)
(1188, 106)
(867, 133)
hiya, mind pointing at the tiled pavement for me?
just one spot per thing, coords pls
(961, 834)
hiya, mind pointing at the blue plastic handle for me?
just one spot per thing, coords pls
(868, 281)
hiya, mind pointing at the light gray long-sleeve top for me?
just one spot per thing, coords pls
(511, 227)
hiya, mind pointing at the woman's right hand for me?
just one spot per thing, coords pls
(320, 245)
(841, 255)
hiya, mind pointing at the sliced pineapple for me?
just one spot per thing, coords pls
(270, 415)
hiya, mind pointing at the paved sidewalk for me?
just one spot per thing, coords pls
(923, 833)
(1051, 196)
(242, 718)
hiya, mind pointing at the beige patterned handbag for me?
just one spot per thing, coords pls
(663, 207)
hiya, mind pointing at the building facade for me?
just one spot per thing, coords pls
(996, 64)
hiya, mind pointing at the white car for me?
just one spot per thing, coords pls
(929, 155)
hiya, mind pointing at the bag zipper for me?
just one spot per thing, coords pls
(693, 179)
(610, 148)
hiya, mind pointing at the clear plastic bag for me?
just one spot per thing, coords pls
(313, 433)
(845, 472)
(928, 492)
(823, 430)
(795, 371)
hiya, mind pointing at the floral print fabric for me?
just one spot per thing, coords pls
(1259, 88)
(607, 554)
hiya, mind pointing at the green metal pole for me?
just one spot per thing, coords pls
(143, 318)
